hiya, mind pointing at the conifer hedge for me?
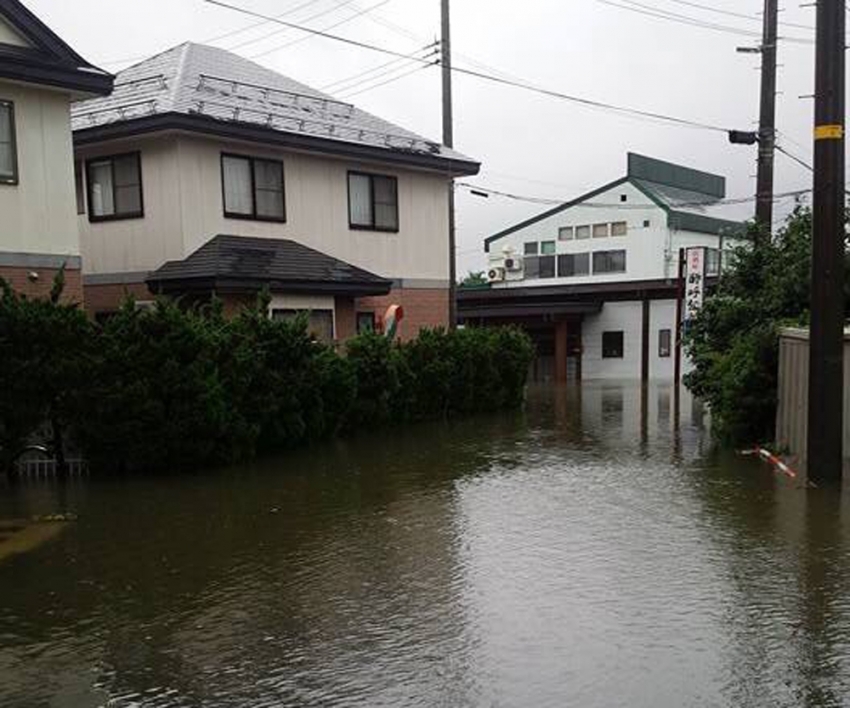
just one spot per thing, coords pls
(171, 388)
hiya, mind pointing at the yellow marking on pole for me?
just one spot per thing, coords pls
(829, 132)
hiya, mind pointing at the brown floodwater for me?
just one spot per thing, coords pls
(586, 552)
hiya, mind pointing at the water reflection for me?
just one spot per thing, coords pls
(594, 551)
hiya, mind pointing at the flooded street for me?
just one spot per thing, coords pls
(577, 554)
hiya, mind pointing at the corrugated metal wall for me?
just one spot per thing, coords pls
(792, 412)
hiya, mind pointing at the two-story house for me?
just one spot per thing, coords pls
(207, 174)
(40, 75)
(595, 281)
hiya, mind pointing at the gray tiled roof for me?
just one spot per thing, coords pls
(264, 261)
(199, 80)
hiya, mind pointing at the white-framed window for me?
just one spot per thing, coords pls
(372, 202)
(115, 187)
(565, 233)
(582, 232)
(531, 248)
(253, 188)
(600, 231)
(8, 144)
(619, 228)
(547, 248)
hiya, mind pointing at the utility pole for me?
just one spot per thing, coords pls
(448, 141)
(767, 117)
(826, 355)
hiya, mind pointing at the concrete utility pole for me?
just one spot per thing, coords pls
(767, 117)
(448, 141)
(826, 356)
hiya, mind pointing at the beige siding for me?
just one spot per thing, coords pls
(131, 245)
(9, 35)
(38, 214)
(184, 209)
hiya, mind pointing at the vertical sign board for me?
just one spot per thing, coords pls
(694, 283)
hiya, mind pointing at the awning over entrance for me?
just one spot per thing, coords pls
(241, 264)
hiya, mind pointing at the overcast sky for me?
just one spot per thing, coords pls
(529, 144)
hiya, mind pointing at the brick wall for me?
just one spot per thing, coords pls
(422, 308)
(22, 280)
(109, 298)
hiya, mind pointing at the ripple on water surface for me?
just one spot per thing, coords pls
(579, 554)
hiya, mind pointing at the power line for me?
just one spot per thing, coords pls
(624, 206)
(335, 85)
(652, 11)
(376, 76)
(590, 103)
(278, 31)
(390, 80)
(219, 37)
(359, 13)
(731, 13)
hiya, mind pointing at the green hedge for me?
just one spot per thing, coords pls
(172, 389)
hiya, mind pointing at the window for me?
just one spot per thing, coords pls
(565, 233)
(531, 265)
(609, 262)
(372, 202)
(320, 323)
(582, 232)
(531, 249)
(619, 228)
(365, 322)
(80, 187)
(647, 223)
(573, 264)
(115, 187)
(547, 267)
(600, 231)
(253, 188)
(8, 147)
(665, 339)
(612, 345)
(624, 197)
(547, 248)
(712, 261)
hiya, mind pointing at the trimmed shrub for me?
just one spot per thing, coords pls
(173, 388)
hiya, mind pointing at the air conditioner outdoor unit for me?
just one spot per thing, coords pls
(496, 275)
(513, 264)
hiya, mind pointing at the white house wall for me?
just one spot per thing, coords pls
(614, 317)
(644, 245)
(37, 214)
(183, 209)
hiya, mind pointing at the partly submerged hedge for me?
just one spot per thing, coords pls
(175, 389)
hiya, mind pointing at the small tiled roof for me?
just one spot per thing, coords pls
(46, 59)
(208, 84)
(248, 263)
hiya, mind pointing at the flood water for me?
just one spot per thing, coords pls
(577, 554)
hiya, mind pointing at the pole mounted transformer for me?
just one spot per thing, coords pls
(824, 454)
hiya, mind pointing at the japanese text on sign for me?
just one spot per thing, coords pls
(694, 281)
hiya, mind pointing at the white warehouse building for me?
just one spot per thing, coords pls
(595, 281)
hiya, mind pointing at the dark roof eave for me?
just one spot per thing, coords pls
(182, 284)
(261, 134)
(48, 74)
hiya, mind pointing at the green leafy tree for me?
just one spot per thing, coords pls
(45, 359)
(734, 339)
(474, 279)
